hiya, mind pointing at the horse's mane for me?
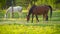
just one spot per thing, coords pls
(31, 9)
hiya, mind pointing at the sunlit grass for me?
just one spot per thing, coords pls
(23, 29)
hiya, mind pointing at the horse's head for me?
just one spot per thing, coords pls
(28, 18)
(33, 6)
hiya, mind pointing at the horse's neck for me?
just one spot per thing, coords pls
(29, 14)
(33, 7)
(31, 10)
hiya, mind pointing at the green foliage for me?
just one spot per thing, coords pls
(2, 3)
(2, 12)
(25, 3)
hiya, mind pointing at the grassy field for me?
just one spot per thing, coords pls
(20, 26)
(29, 29)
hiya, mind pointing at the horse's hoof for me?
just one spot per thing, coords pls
(37, 21)
(46, 20)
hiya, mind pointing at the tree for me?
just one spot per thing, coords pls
(57, 1)
(32, 2)
(9, 3)
(2, 3)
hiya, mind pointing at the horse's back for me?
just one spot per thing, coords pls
(40, 10)
(15, 9)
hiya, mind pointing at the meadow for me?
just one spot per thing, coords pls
(18, 25)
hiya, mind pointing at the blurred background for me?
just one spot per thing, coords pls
(19, 25)
(26, 4)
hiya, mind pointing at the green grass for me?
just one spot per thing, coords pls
(24, 29)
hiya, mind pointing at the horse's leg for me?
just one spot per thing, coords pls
(32, 17)
(10, 14)
(6, 14)
(37, 18)
(20, 14)
(46, 17)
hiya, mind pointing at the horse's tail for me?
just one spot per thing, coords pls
(50, 11)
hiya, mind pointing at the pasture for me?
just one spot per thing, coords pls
(18, 25)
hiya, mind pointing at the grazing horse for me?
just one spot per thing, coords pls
(39, 10)
(14, 9)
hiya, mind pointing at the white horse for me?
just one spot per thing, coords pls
(14, 9)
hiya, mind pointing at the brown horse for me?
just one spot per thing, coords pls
(39, 10)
